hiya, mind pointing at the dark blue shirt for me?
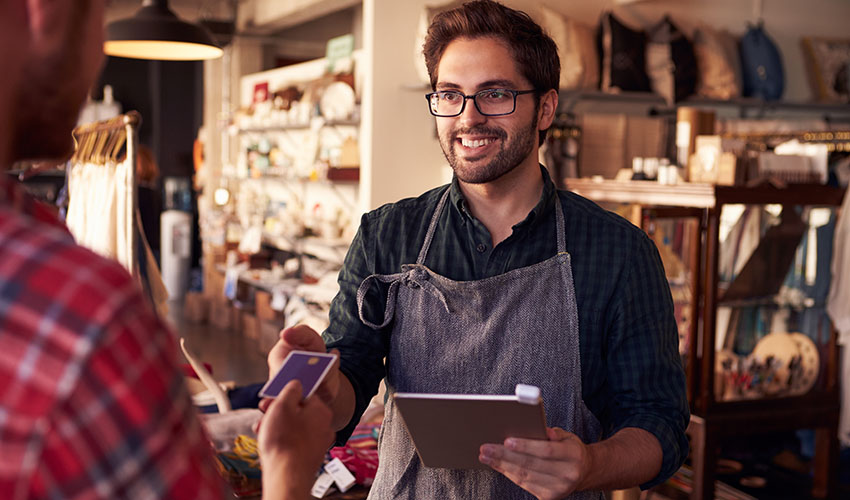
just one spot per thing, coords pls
(631, 371)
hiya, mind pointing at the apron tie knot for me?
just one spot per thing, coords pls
(411, 276)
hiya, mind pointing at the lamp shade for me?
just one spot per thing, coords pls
(155, 32)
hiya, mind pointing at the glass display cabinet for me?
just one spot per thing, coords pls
(749, 270)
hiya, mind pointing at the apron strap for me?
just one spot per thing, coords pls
(415, 277)
(560, 225)
(432, 228)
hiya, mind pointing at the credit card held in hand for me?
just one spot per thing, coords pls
(308, 367)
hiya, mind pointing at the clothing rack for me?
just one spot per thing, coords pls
(102, 143)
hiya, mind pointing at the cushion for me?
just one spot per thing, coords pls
(828, 61)
(576, 49)
(623, 53)
(719, 64)
(670, 61)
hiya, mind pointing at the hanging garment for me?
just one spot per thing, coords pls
(838, 307)
(100, 210)
(473, 337)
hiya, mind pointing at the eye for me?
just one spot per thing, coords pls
(495, 94)
(449, 96)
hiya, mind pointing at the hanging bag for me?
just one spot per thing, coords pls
(761, 65)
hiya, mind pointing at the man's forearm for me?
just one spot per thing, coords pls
(630, 457)
(343, 404)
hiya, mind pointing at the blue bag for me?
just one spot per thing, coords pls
(761, 65)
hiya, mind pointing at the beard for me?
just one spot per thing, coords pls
(512, 151)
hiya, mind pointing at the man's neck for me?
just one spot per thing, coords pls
(505, 202)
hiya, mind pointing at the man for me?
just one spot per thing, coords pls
(498, 279)
(92, 404)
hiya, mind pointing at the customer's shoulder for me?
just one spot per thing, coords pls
(46, 261)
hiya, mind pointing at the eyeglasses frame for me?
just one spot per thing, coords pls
(514, 93)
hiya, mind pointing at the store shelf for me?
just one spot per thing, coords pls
(331, 251)
(302, 126)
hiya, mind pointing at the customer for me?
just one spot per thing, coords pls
(92, 404)
(499, 278)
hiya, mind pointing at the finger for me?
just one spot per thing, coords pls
(303, 337)
(264, 404)
(291, 395)
(539, 484)
(557, 434)
(503, 459)
(554, 449)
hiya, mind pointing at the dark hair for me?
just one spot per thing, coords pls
(534, 52)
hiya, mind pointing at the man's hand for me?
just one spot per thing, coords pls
(293, 439)
(546, 469)
(303, 338)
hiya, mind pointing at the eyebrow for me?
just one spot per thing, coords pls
(489, 84)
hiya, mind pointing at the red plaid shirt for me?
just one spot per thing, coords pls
(92, 404)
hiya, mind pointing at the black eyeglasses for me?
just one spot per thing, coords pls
(488, 102)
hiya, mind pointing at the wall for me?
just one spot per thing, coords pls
(404, 155)
(400, 153)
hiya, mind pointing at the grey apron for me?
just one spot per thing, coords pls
(478, 337)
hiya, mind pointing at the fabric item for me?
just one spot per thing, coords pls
(838, 301)
(92, 402)
(427, 355)
(718, 62)
(623, 53)
(828, 62)
(576, 49)
(631, 373)
(671, 63)
(100, 211)
(761, 65)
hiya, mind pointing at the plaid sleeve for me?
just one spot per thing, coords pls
(644, 368)
(127, 429)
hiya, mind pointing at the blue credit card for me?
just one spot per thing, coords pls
(308, 367)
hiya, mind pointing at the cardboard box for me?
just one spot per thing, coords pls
(269, 334)
(250, 326)
(221, 313)
(263, 303)
(195, 307)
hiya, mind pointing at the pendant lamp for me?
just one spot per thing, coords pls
(155, 32)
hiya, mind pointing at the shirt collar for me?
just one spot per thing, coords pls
(539, 211)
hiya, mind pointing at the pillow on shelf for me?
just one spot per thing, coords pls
(828, 61)
(623, 53)
(576, 49)
(719, 64)
(670, 62)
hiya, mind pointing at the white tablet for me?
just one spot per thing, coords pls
(448, 429)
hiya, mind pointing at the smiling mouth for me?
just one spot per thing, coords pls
(476, 143)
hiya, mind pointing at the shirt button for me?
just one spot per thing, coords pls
(481, 248)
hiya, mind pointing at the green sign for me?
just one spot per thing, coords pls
(338, 48)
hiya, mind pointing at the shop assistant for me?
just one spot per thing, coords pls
(500, 278)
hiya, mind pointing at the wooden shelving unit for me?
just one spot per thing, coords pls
(714, 420)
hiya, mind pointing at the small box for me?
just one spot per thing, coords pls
(195, 307)
(221, 313)
(269, 335)
(250, 326)
(263, 303)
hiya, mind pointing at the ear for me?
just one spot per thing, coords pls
(546, 110)
(45, 19)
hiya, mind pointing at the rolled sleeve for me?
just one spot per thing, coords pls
(647, 381)
(362, 349)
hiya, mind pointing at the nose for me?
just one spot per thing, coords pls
(470, 115)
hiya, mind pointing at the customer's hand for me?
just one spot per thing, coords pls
(303, 338)
(293, 439)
